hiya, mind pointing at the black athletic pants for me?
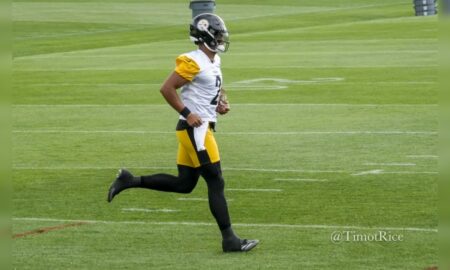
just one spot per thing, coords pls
(186, 181)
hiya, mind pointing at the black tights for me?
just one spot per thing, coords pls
(186, 181)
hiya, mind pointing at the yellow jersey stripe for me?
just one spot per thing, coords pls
(186, 67)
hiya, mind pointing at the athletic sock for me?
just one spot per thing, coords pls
(136, 182)
(128, 180)
(228, 234)
(230, 241)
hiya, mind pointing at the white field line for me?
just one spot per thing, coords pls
(260, 225)
(393, 132)
(269, 83)
(131, 55)
(239, 86)
(255, 189)
(241, 67)
(424, 156)
(284, 170)
(91, 167)
(234, 84)
(167, 168)
(335, 133)
(149, 210)
(389, 164)
(406, 172)
(255, 81)
(234, 104)
(94, 131)
(268, 87)
(378, 171)
(331, 105)
(193, 199)
(225, 169)
(198, 199)
(431, 41)
(368, 172)
(329, 52)
(97, 84)
(300, 180)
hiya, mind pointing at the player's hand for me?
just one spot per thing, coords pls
(194, 120)
(223, 108)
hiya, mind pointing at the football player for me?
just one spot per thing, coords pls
(199, 76)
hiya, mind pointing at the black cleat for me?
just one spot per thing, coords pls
(123, 181)
(242, 246)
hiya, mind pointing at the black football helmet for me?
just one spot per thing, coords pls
(209, 29)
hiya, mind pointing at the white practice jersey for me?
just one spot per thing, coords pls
(201, 94)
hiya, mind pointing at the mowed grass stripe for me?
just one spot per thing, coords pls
(173, 47)
(305, 53)
(234, 104)
(339, 25)
(280, 133)
(105, 42)
(389, 119)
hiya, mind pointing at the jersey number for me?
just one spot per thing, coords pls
(218, 84)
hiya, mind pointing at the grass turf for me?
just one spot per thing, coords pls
(321, 90)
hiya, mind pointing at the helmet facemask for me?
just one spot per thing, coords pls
(219, 43)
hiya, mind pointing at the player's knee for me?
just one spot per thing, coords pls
(187, 183)
(188, 178)
(216, 183)
(211, 172)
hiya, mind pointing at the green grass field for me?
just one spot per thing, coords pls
(333, 128)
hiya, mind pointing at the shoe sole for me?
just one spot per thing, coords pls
(249, 246)
(245, 248)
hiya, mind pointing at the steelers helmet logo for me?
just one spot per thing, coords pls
(203, 25)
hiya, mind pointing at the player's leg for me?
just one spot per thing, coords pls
(209, 163)
(185, 182)
(218, 205)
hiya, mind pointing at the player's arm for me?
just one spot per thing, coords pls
(169, 92)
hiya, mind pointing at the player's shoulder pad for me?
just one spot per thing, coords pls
(187, 67)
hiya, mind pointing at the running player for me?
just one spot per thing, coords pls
(199, 75)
